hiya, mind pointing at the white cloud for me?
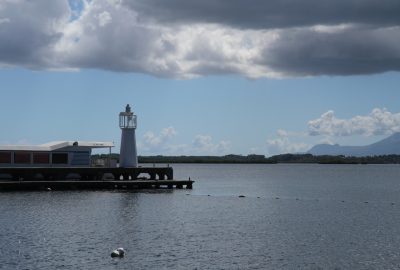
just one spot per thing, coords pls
(168, 132)
(326, 140)
(284, 144)
(162, 144)
(115, 2)
(282, 133)
(4, 20)
(378, 122)
(203, 144)
(130, 44)
(158, 143)
(104, 18)
(17, 142)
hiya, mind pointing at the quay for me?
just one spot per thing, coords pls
(77, 178)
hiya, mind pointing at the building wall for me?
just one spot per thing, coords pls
(61, 158)
(80, 158)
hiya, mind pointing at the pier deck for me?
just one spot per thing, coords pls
(63, 178)
(86, 173)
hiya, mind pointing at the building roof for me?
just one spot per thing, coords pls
(52, 146)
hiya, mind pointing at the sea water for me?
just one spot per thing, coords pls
(304, 216)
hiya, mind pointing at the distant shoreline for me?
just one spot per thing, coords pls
(261, 159)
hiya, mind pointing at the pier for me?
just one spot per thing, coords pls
(62, 165)
(77, 178)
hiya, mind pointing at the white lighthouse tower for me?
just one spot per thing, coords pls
(128, 153)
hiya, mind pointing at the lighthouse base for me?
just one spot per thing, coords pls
(128, 153)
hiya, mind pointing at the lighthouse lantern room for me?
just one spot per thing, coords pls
(128, 152)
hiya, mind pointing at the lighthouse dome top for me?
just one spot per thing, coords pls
(128, 111)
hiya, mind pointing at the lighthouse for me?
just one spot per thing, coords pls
(128, 153)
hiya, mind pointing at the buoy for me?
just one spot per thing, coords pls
(119, 252)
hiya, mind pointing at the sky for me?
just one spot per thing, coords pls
(210, 77)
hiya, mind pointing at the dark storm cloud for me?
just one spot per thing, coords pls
(262, 14)
(27, 31)
(307, 52)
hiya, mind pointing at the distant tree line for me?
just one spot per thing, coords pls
(261, 159)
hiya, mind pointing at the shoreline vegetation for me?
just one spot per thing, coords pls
(261, 159)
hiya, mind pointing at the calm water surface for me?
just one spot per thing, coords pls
(293, 217)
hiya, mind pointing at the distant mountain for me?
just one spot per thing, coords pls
(388, 146)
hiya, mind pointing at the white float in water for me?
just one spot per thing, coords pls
(119, 252)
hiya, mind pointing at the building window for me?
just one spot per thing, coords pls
(22, 157)
(60, 158)
(5, 157)
(41, 158)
